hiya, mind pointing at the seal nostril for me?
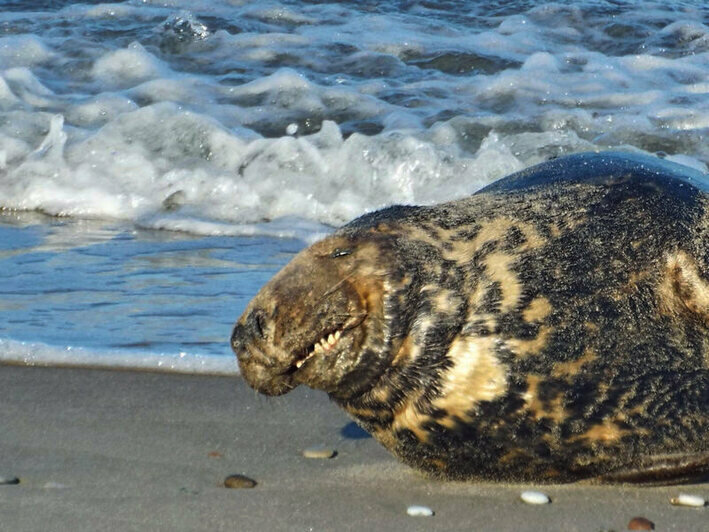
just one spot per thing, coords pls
(255, 324)
(260, 322)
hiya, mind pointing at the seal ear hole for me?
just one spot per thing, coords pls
(340, 252)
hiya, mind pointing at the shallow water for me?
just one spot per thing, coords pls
(106, 294)
(209, 140)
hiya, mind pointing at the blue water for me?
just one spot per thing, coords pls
(88, 292)
(160, 160)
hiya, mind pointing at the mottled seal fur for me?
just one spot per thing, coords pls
(552, 327)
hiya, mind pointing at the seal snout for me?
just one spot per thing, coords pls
(252, 328)
(261, 367)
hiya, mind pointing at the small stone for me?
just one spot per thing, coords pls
(641, 523)
(7, 481)
(239, 481)
(319, 451)
(292, 129)
(683, 499)
(416, 510)
(534, 497)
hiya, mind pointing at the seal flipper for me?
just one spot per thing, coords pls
(662, 470)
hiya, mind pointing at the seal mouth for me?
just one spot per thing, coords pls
(326, 344)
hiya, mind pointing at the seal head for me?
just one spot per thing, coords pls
(329, 305)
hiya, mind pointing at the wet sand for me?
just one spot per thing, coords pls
(114, 450)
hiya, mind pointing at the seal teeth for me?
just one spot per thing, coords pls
(326, 343)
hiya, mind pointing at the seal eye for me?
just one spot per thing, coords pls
(340, 252)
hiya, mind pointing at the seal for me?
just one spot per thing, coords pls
(552, 327)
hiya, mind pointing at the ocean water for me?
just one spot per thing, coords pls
(160, 160)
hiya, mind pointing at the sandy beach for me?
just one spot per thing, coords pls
(115, 450)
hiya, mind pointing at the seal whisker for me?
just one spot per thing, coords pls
(336, 286)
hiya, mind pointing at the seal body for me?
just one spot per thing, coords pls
(552, 327)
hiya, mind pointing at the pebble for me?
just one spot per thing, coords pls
(683, 499)
(319, 451)
(641, 523)
(239, 481)
(292, 129)
(4, 481)
(419, 511)
(535, 497)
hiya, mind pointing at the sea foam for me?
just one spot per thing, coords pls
(204, 116)
(39, 354)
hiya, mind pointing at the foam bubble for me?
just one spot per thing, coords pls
(280, 15)
(541, 61)
(8, 100)
(128, 67)
(107, 10)
(30, 91)
(99, 110)
(23, 50)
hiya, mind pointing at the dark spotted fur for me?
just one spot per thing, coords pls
(552, 327)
